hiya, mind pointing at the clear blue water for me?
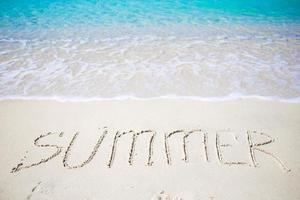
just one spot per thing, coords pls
(62, 13)
(149, 48)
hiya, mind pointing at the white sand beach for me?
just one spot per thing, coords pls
(149, 149)
(150, 100)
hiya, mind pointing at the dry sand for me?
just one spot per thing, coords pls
(154, 149)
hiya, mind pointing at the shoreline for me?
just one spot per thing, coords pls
(228, 98)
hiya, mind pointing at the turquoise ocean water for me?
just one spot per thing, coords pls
(89, 49)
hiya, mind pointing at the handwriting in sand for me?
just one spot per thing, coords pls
(254, 147)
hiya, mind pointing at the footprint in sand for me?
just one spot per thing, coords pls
(164, 196)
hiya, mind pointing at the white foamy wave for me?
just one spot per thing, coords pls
(213, 65)
(231, 97)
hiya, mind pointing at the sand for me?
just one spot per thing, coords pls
(152, 149)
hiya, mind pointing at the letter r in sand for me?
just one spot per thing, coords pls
(256, 147)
